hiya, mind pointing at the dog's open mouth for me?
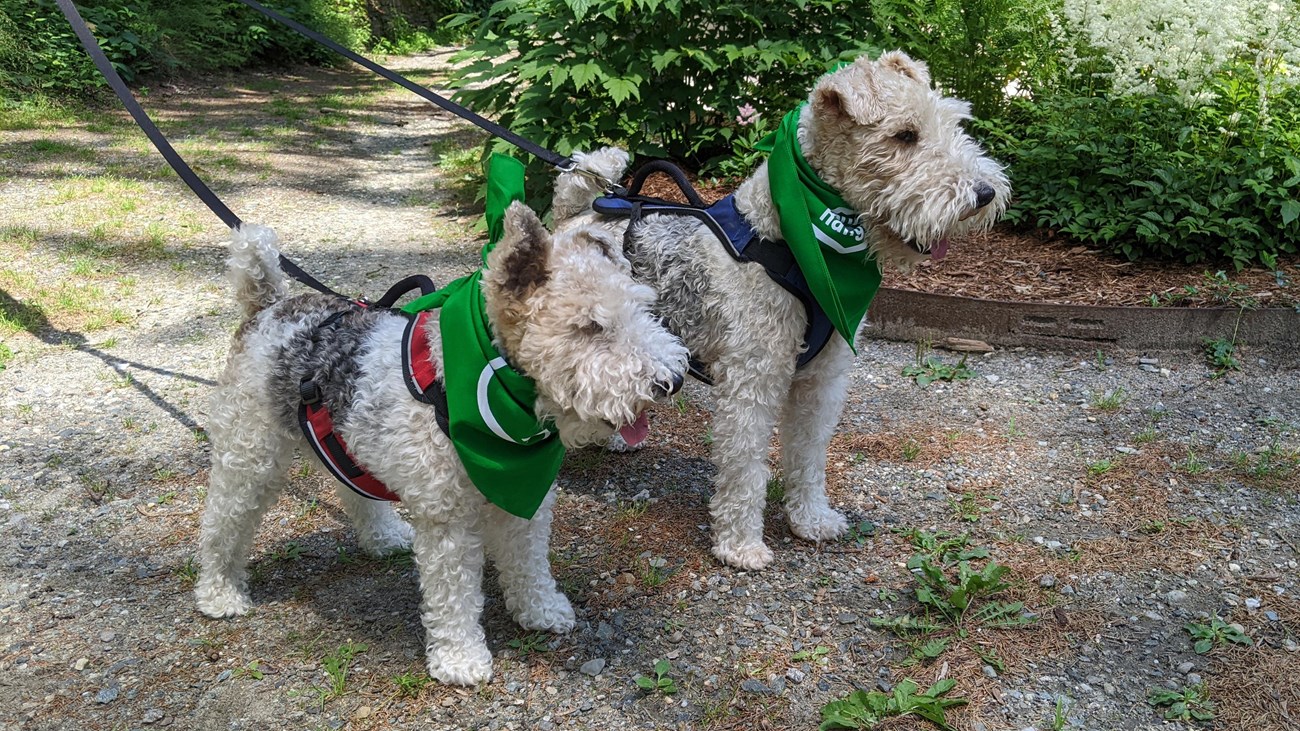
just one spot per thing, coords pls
(937, 250)
(636, 432)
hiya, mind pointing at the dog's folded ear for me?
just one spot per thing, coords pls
(520, 263)
(851, 92)
(905, 65)
(847, 95)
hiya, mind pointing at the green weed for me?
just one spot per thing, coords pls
(864, 710)
(530, 644)
(335, 665)
(1220, 354)
(1217, 632)
(1101, 467)
(661, 682)
(410, 684)
(1190, 703)
(930, 369)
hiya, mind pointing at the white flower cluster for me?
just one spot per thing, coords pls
(1177, 45)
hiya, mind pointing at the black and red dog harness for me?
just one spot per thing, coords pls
(422, 381)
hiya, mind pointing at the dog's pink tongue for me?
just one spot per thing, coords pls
(636, 432)
(939, 250)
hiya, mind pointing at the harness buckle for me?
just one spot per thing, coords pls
(309, 392)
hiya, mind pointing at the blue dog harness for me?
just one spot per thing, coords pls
(743, 244)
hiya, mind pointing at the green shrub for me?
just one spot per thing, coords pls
(665, 78)
(1151, 176)
(47, 55)
(974, 48)
(40, 52)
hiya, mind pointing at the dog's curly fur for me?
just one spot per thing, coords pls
(563, 309)
(894, 149)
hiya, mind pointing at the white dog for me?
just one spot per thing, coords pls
(564, 310)
(894, 150)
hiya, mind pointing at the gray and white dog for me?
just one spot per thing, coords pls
(894, 149)
(563, 309)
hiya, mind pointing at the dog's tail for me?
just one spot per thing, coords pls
(593, 171)
(255, 268)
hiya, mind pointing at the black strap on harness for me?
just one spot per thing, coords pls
(737, 237)
(488, 125)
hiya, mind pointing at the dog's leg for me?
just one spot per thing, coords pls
(449, 556)
(748, 401)
(811, 412)
(380, 531)
(250, 460)
(519, 549)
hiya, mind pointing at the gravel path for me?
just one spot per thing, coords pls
(1129, 493)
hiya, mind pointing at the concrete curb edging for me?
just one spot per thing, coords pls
(898, 314)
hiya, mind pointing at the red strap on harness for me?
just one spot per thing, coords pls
(417, 365)
(334, 454)
(422, 381)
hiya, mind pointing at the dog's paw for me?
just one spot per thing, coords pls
(617, 443)
(221, 600)
(750, 557)
(460, 664)
(555, 614)
(817, 524)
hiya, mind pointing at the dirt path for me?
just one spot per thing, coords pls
(1128, 498)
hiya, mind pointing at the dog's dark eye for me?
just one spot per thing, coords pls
(592, 329)
(907, 137)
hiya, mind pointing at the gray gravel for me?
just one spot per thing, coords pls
(103, 464)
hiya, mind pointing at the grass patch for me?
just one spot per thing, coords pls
(1111, 400)
(57, 148)
(38, 113)
(1272, 467)
(121, 190)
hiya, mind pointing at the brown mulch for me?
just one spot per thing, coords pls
(1010, 265)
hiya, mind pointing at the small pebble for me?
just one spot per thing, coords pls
(593, 667)
(107, 694)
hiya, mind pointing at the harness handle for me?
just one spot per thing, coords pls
(395, 292)
(671, 170)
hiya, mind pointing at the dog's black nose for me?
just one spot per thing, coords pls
(984, 194)
(669, 388)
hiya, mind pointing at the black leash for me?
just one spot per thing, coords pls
(496, 130)
(169, 153)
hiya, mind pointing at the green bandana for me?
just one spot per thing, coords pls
(510, 456)
(822, 232)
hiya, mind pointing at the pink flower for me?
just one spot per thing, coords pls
(748, 115)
